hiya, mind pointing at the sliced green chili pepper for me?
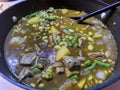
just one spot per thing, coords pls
(69, 43)
(90, 68)
(36, 70)
(102, 63)
(75, 77)
(75, 39)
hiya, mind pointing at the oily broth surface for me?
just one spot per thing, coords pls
(14, 52)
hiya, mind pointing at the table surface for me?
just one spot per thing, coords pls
(4, 84)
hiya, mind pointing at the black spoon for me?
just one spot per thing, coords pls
(80, 19)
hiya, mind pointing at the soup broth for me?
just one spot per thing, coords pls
(51, 51)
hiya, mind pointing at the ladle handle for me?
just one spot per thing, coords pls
(99, 11)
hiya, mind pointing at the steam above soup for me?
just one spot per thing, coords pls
(49, 50)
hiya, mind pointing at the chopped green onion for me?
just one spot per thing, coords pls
(102, 63)
(75, 39)
(69, 43)
(90, 33)
(91, 39)
(51, 18)
(44, 37)
(89, 68)
(36, 37)
(90, 47)
(88, 63)
(58, 38)
(71, 30)
(43, 14)
(74, 77)
(36, 70)
(66, 31)
(47, 75)
(33, 14)
(76, 45)
(63, 44)
(40, 66)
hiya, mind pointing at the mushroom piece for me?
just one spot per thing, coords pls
(26, 72)
(96, 55)
(71, 62)
(28, 58)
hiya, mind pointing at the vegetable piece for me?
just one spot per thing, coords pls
(33, 14)
(76, 45)
(102, 63)
(88, 63)
(58, 38)
(47, 75)
(43, 14)
(74, 77)
(91, 39)
(50, 10)
(44, 37)
(33, 85)
(64, 11)
(81, 83)
(89, 68)
(51, 18)
(101, 75)
(54, 30)
(63, 51)
(36, 37)
(40, 66)
(90, 47)
(57, 64)
(34, 20)
(63, 44)
(69, 43)
(66, 31)
(67, 72)
(75, 39)
(36, 70)
(57, 47)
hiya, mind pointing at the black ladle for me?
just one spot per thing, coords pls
(80, 19)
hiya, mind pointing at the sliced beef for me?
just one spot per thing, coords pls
(71, 62)
(96, 55)
(28, 58)
(44, 61)
(26, 72)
